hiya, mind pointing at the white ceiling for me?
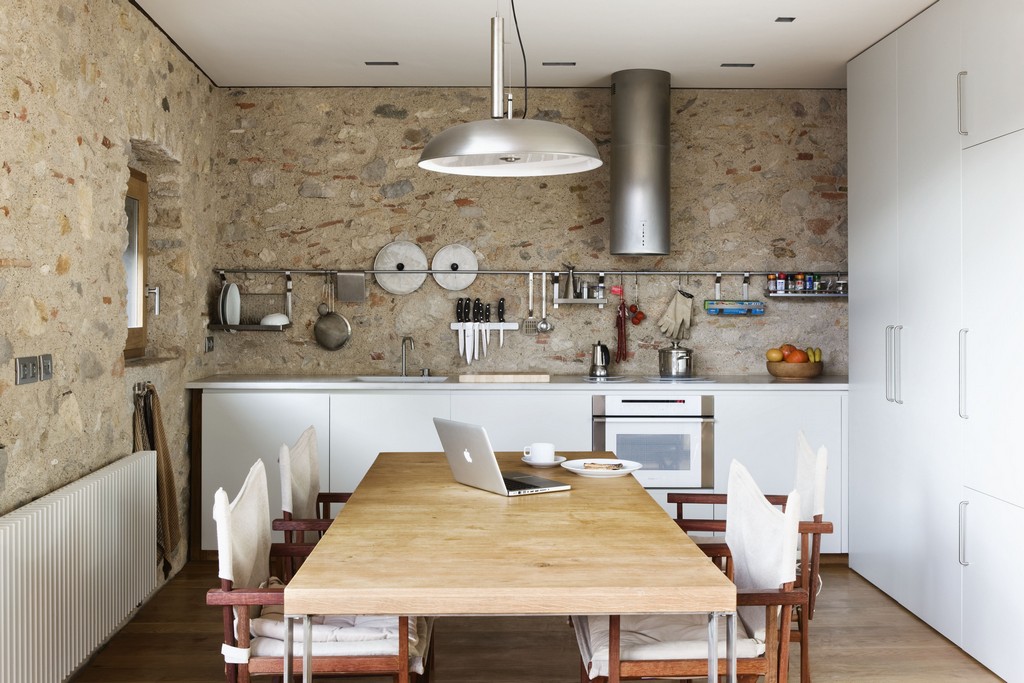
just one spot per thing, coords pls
(447, 42)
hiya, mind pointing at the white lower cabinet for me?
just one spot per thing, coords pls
(365, 423)
(514, 419)
(992, 599)
(240, 427)
(759, 429)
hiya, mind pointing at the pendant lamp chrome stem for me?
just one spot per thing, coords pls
(497, 67)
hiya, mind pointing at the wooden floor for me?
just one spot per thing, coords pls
(858, 634)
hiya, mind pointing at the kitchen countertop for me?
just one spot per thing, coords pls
(558, 383)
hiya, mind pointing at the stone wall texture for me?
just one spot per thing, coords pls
(323, 179)
(87, 88)
(326, 178)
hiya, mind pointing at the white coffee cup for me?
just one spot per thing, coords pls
(540, 452)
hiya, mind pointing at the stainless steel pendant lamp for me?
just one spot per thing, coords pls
(508, 147)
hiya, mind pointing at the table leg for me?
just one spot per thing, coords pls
(730, 645)
(288, 624)
(712, 646)
(307, 649)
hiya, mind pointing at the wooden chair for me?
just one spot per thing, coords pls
(253, 603)
(811, 486)
(305, 510)
(763, 539)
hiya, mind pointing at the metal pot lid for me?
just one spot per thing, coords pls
(676, 348)
(399, 256)
(454, 258)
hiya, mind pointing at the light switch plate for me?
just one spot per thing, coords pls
(45, 367)
(26, 370)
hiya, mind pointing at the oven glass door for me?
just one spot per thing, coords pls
(670, 449)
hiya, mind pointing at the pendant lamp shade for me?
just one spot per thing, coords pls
(508, 147)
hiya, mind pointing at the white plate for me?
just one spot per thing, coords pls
(220, 303)
(576, 467)
(543, 465)
(231, 308)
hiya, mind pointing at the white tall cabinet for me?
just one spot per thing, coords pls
(993, 515)
(934, 467)
(905, 236)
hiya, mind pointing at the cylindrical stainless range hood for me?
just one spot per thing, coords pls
(640, 162)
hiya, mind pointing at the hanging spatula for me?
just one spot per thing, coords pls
(530, 324)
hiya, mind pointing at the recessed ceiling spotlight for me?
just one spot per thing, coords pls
(381, 63)
(784, 20)
(739, 65)
(558, 63)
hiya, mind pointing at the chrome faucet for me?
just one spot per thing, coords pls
(412, 347)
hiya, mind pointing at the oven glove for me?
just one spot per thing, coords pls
(683, 308)
(668, 324)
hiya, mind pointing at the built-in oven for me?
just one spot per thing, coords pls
(672, 436)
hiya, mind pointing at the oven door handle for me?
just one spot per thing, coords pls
(632, 419)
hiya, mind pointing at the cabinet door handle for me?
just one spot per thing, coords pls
(897, 351)
(963, 533)
(960, 103)
(888, 362)
(962, 408)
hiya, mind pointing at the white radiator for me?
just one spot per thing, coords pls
(74, 565)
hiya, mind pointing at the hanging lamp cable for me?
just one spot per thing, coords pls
(526, 95)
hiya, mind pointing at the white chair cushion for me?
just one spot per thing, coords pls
(654, 637)
(343, 636)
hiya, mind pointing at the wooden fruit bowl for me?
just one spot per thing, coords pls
(784, 370)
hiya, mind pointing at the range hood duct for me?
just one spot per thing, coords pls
(640, 162)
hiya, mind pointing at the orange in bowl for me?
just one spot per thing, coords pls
(784, 370)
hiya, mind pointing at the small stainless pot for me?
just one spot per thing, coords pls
(675, 361)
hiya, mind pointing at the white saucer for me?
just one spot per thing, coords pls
(544, 465)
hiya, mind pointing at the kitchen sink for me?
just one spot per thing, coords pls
(398, 378)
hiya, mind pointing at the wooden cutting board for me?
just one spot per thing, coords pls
(506, 377)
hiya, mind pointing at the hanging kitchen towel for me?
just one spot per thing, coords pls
(149, 436)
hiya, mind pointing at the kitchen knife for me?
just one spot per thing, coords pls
(478, 312)
(467, 328)
(487, 327)
(458, 330)
(501, 319)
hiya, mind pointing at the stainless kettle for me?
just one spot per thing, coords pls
(600, 360)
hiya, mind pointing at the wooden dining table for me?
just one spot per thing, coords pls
(412, 541)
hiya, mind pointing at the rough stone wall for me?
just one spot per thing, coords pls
(87, 88)
(325, 178)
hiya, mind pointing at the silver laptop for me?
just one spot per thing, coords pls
(473, 463)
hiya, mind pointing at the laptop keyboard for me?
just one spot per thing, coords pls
(513, 485)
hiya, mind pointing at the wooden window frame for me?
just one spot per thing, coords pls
(138, 189)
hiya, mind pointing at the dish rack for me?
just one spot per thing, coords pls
(254, 306)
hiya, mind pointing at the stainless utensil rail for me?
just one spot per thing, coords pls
(435, 271)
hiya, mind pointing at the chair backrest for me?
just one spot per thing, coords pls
(762, 540)
(300, 476)
(243, 531)
(811, 470)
